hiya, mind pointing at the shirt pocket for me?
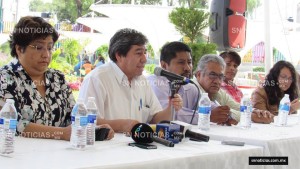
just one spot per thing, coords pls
(146, 114)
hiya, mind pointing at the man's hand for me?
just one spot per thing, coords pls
(220, 114)
(111, 132)
(176, 102)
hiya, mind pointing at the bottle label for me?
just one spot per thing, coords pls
(92, 118)
(285, 107)
(204, 110)
(10, 124)
(80, 120)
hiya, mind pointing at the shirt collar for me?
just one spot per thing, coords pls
(120, 75)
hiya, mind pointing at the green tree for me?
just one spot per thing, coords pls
(194, 3)
(71, 9)
(72, 49)
(190, 22)
(252, 5)
(40, 6)
(200, 49)
(103, 51)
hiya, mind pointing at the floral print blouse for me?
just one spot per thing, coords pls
(52, 110)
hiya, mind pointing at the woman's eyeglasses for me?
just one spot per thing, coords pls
(41, 48)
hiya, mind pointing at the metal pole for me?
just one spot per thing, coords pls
(268, 46)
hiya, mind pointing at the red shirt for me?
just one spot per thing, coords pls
(233, 91)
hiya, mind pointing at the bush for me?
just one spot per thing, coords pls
(200, 49)
(259, 69)
(150, 68)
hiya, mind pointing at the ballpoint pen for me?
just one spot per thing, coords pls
(217, 103)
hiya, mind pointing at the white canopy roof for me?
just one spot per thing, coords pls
(153, 21)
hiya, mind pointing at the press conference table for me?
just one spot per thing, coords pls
(276, 141)
(57, 154)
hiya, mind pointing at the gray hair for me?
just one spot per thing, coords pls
(205, 59)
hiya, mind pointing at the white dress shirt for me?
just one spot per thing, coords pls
(116, 98)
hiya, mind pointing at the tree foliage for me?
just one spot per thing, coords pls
(200, 49)
(65, 10)
(252, 5)
(70, 9)
(194, 3)
(190, 22)
(40, 6)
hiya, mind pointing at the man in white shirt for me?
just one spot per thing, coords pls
(122, 94)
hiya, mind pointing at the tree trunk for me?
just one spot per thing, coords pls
(79, 8)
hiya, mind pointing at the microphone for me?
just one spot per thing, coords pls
(185, 128)
(143, 133)
(169, 132)
(158, 71)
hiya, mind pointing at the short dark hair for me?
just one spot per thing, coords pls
(169, 50)
(122, 41)
(273, 91)
(234, 56)
(28, 29)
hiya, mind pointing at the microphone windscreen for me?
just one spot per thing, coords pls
(157, 71)
(142, 133)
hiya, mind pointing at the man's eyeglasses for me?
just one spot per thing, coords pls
(41, 48)
(214, 76)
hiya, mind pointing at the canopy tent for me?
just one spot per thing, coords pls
(153, 21)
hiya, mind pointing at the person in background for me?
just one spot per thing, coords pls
(78, 66)
(210, 74)
(121, 92)
(176, 57)
(87, 66)
(42, 97)
(282, 79)
(100, 61)
(233, 61)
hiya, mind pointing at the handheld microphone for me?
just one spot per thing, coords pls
(158, 71)
(143, 133)
(185, 128)
(169, 132)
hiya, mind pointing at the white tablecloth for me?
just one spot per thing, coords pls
(56, 154)
(276, 141)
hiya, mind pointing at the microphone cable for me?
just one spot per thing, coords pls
(196, 105)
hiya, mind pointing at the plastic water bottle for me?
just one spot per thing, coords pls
(245, 110)
(204, 111)
(8, 125)
(284, 109)
(92, 120)
(79, 122)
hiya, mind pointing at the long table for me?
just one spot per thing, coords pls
(57, 154)
(276, 141)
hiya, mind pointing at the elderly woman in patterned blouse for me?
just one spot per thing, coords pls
(42, 98)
